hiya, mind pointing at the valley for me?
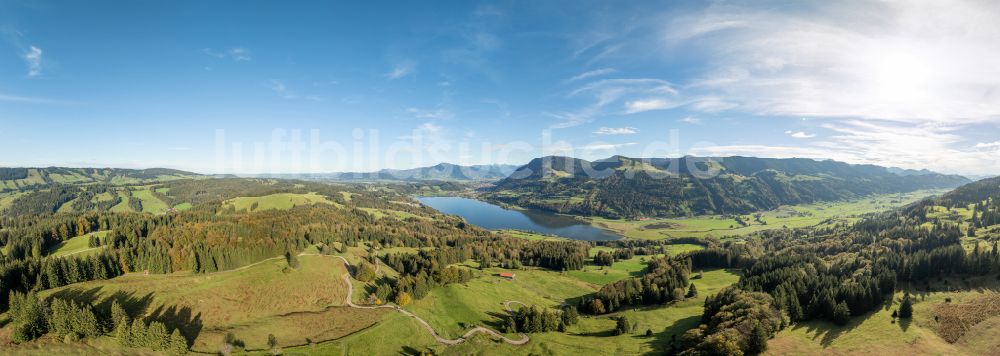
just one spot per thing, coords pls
(231, 263)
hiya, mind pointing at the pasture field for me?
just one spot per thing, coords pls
(877, 332)
(303, 309)
(280, 201)
(77, 246)
(601, 275)
(457, 307)
(150, 203)
(529, 235)
(122, 206)
(795, 216)
(296, 305)
(6, 199)
(396, 214)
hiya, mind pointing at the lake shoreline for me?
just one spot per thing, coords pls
(497, 217)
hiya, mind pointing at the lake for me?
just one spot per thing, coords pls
(494, 217)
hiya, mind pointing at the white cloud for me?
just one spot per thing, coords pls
(763, 151)
(655, 93)
(593, 73)
(571, 119)
(799, 134)
(434, 114)
(911, 61)
(34, 59)
(401, 69)
(606, 146)
(240, 54)
(616, 131)
(937, 147)
(281, 89)
(691, 120)
(636, 106)
(994, 144)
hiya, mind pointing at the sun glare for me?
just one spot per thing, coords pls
(899, 77)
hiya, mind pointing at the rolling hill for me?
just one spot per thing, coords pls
(623, 187)
(23, 179)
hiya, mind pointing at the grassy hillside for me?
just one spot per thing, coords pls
(77, 246)
(281, 201)
(878, 333)
(456, 307)
(795, 216)
(22, 179)
(267, 298)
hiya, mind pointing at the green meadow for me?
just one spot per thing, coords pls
(878, 333)
(77, 246)
(298, 306)
(795, 216)
(280, 201)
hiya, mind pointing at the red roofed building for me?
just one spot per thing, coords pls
(507, 275)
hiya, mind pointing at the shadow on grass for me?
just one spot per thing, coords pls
(409, 350)
(828, 332)
(496, 323)
(669, 339)
(603, 333)
(181, 318)
(904, 323)
(173, 317)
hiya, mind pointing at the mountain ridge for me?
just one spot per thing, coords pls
(626, 187)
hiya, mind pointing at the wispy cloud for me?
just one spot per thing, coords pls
(799, 134)
(691, 120)
(433, 114)
(994, 144)
(401, 69)
(238, 54)
(606, 146)
(32, 100)
(593, 73)
(655, 94)
(34, 59)
(281, 89)
(637, 106)
(616, 131)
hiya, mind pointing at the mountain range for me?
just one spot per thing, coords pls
(441, 172)
(623, 187)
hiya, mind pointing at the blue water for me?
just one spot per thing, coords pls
(493, 217)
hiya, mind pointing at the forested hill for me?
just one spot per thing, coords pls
(982, 191)
(20, 179)
(658, 187)
(973, 206)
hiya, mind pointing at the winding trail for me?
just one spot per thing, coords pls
(479, 329)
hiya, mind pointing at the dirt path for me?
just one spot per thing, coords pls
(479, 329)
(349, 301)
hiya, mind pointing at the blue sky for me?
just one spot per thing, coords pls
(212, 86)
